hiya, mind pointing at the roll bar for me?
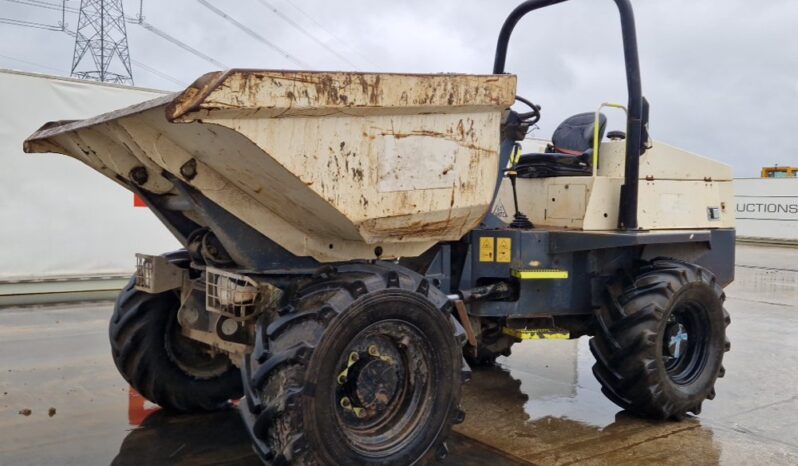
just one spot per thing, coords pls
(627, 218)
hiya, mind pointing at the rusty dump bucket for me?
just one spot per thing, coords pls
(328, 165)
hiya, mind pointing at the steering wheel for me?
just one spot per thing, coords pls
(529, 117)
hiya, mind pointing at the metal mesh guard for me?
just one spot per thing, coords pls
(230, 294)
(143, 272)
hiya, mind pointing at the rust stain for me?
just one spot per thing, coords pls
(436, 134)
(331, 89)
(461, 129)
(418, 229)
(241, 88)
(193, 96)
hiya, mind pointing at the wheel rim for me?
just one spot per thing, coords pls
(685, 342)
(191, 357)
(382, 387)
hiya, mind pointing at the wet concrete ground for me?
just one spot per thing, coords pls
(541, 406)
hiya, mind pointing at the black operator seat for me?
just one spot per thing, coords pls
(570, 152)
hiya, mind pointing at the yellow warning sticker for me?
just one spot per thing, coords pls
(537, 333)
(504, 248)
(486, 249)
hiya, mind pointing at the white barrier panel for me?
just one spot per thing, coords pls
(57, 216)
(767, 209)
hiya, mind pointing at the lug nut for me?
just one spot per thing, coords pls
(189, 169)
(373, 350)
(139, 175)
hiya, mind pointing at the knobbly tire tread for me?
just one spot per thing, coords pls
(137, 334)
(625, 340)
(275, 375)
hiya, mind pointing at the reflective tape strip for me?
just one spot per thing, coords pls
(540, 274)
(536, 333)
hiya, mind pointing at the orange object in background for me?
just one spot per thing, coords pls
(139, 408)
(137, 412)
(138, 202)
(779, 172)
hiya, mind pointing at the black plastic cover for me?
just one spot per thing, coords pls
(575, 134)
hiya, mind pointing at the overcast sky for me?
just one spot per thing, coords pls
(721, 76)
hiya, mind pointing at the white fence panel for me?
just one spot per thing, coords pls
(767, 209)
(57, 216)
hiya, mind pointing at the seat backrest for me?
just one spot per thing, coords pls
(575, 135)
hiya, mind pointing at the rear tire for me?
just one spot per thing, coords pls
(660, 340)
(311, 402)
(160, 363)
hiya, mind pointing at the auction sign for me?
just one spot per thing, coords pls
(767, 208)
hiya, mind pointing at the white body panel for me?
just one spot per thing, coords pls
(676, 189)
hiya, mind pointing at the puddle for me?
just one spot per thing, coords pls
(764, 284)
(551, 411)
(161, 438)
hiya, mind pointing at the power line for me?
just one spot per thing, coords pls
(60, 7)
(179, 43)
(45, 5)
(32, 63)
(147, 68)
(290, 21)
(329, 33)
(30, 24)
(64, 8)
(141, 65)
(138, 20)
(160, 74)
(252, 33)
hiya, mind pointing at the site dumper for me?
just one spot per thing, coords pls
(351, 239)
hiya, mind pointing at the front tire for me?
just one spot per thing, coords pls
(363, 367)
(164, 366)
(660, 340)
